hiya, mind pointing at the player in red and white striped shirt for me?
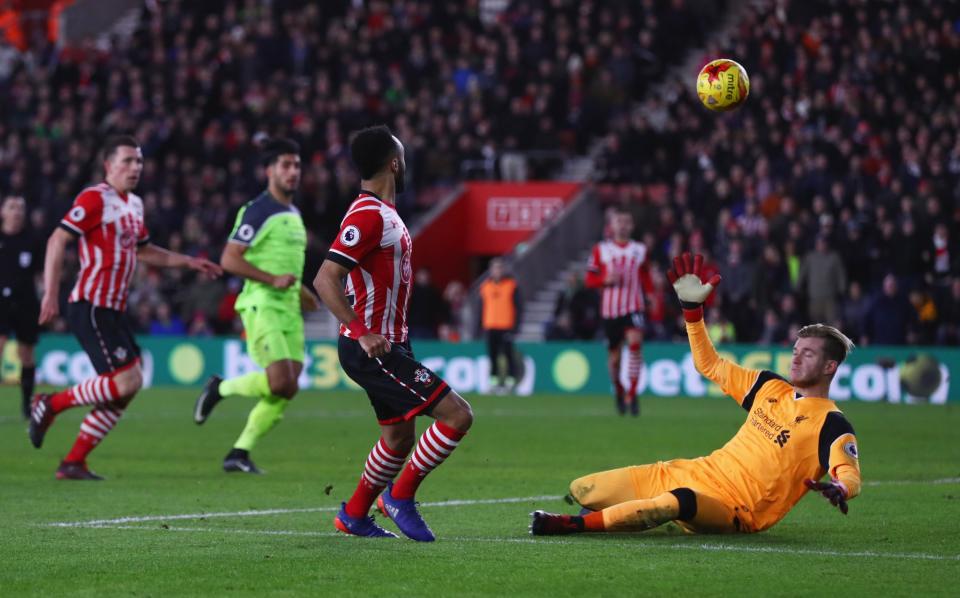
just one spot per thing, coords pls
(373, 254)
(618, 269)
(107, 220)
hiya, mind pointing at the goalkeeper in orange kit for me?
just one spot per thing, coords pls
(792, 436)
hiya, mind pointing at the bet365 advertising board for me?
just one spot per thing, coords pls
(875, 374)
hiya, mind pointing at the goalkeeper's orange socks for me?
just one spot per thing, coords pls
(634, 515)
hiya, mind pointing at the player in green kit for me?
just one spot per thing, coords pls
(267, 248)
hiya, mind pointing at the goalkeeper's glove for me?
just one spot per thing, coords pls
(685, 278)
(833, 491)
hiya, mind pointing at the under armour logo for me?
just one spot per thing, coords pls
(120, 353)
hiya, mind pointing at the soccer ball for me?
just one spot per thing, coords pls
(723, 85)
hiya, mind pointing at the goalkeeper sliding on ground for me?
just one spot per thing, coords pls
(792, 436)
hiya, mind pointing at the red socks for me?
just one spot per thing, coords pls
(433, 448)
(382, 466)
(95, 391)
(634, 365)
(94, 427)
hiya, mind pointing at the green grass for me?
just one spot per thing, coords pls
(900, 538)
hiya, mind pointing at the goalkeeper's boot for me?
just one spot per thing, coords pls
(238, 460)
(404, 513)
(359, 526)
(76, 470)
(209, 397)
(554, 524)
(41, 416)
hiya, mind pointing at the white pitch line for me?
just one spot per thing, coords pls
(448, 503)
(639, 544)
(259, 513)
(255, 532)
(910, 482)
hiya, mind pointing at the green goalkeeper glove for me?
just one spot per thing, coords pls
(685, 278)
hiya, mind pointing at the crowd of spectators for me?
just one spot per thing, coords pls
(199, 82)
(831, 195)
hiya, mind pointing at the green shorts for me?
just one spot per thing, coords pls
(273, 335)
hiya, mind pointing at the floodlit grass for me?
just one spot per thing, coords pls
(900, 538)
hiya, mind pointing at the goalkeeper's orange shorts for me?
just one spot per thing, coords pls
(717, 511)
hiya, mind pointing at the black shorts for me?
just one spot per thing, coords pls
(19, 318)
(616, 328)
(104, 334)
(399, 387)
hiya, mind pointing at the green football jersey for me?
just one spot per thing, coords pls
(276, 242)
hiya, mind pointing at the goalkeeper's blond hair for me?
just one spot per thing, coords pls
(836, 344)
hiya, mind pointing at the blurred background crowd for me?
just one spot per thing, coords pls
(832, 195)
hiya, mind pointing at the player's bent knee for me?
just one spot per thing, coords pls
(581, 488)
(128, 382)
(458, 413)
(285, 387)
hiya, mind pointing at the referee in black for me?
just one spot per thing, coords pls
(21, 257)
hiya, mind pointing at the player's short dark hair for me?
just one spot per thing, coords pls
(111, 145)
(836, 345)
(272, 149)
(371, 149)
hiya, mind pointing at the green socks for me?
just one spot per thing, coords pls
(264, 416)
(254, 384)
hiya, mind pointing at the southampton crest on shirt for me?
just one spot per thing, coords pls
(422, 375)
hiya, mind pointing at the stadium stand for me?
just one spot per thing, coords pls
(841, 169)
(848, 141)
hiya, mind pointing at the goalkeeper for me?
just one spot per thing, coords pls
(792, 436)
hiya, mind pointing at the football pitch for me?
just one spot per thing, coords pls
(168, 522)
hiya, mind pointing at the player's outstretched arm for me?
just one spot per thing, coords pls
(834, 491)
(329, 285)
(52, 268)
(693, 292)
(235, 263)
(840, 458)
(154, 255)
